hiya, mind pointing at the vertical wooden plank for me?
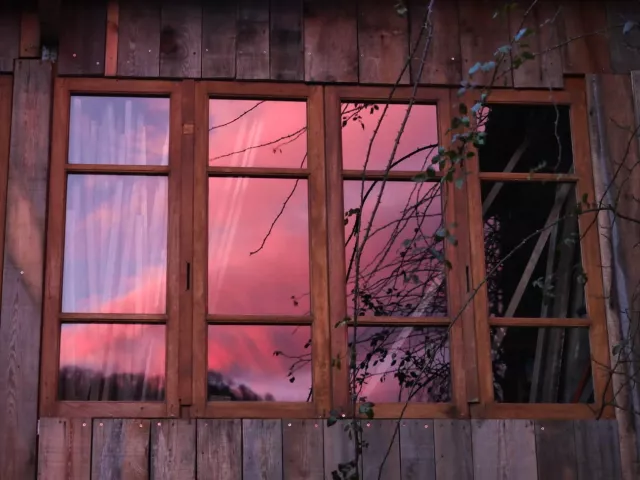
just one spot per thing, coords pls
(173, 450)
(623, 47)
(285, 40)
(111, 48)
(504, 449)
(120, 449)
(181, 39)
(547, 30)
(301, 447)
(417, 452)
(383, 442)
(451, 438)
(82, 38)
(330, 41)
(6, 90)
(556, 450)
(383, 43)
(219, 447)
(139, 39)
(443, 61)
(252, 43)
(64, 449)
(9, 38)
(262, 449)
(219, 39)
(22, 287)
(597, 449)
(582, 29)
(29, 35)
(480, 36)
(338, 448)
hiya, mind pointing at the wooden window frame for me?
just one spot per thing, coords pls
(187, 317)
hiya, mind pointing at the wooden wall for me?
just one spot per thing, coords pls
(112, 449)
(364, 41)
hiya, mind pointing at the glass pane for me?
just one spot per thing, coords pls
(401, 270)
(532, 247)
(258, 246)
(259, 363)
(418, 142)
(119, 130)
(118, 362)
(396, 364)
(257, 133)
(115, 251)
(541, 365)
(527, 138)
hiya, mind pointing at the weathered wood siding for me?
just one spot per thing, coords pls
(292, 449)
(364, 41)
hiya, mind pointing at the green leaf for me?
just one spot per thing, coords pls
(504, 49)
(488, 66)
(524, 32)
(528, 55)
(459, 183)
(475, 68)
(462, 109)
(628, 26)
(331, 421)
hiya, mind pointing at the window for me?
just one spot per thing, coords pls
(209, 244)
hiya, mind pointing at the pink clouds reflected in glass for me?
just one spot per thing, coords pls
(421, 130)
(396, 364)
(112, 362)
(242, 364)
(257, 133)
(119, 130)
(398, 280)
(241, 211)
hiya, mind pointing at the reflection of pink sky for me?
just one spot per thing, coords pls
(112, 267)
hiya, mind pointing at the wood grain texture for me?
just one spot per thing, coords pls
(219, 39)
(417, 452)
(302, 450)
(181, 39)
(252, 42)
(22, 289)
(120, 449)
(29, 35)
(443, 60)
(9, 38)
(262, 449)
(504, 450)
(582, 30)
(625, 55)
(82, 40)
(381, 458)
(219, 449)
(451, 438)
(173, 449)
(480, 36)
(338, 448)
(111, 42)
(286, 55)
(330, 41)
(597, 449)
(64, 449)
(556, 449)
(139, 39)
(383, 43)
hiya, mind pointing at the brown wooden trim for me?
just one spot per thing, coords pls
(529, 97)
(419, 410)
(111, 318)
(260, 319)
(111, 42)
(540, 411)
(113, 86)
(50, 358)
(526, 177)
(335, 251)
(108, 409)
(283, 91)
(381, 175)
(400, 321)
(200, 240)
(402, 94)
(590, 247)
(259, 172)
(6, 98)
(116, 169)
(539, 322)
(29, 35)
(260, 410)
